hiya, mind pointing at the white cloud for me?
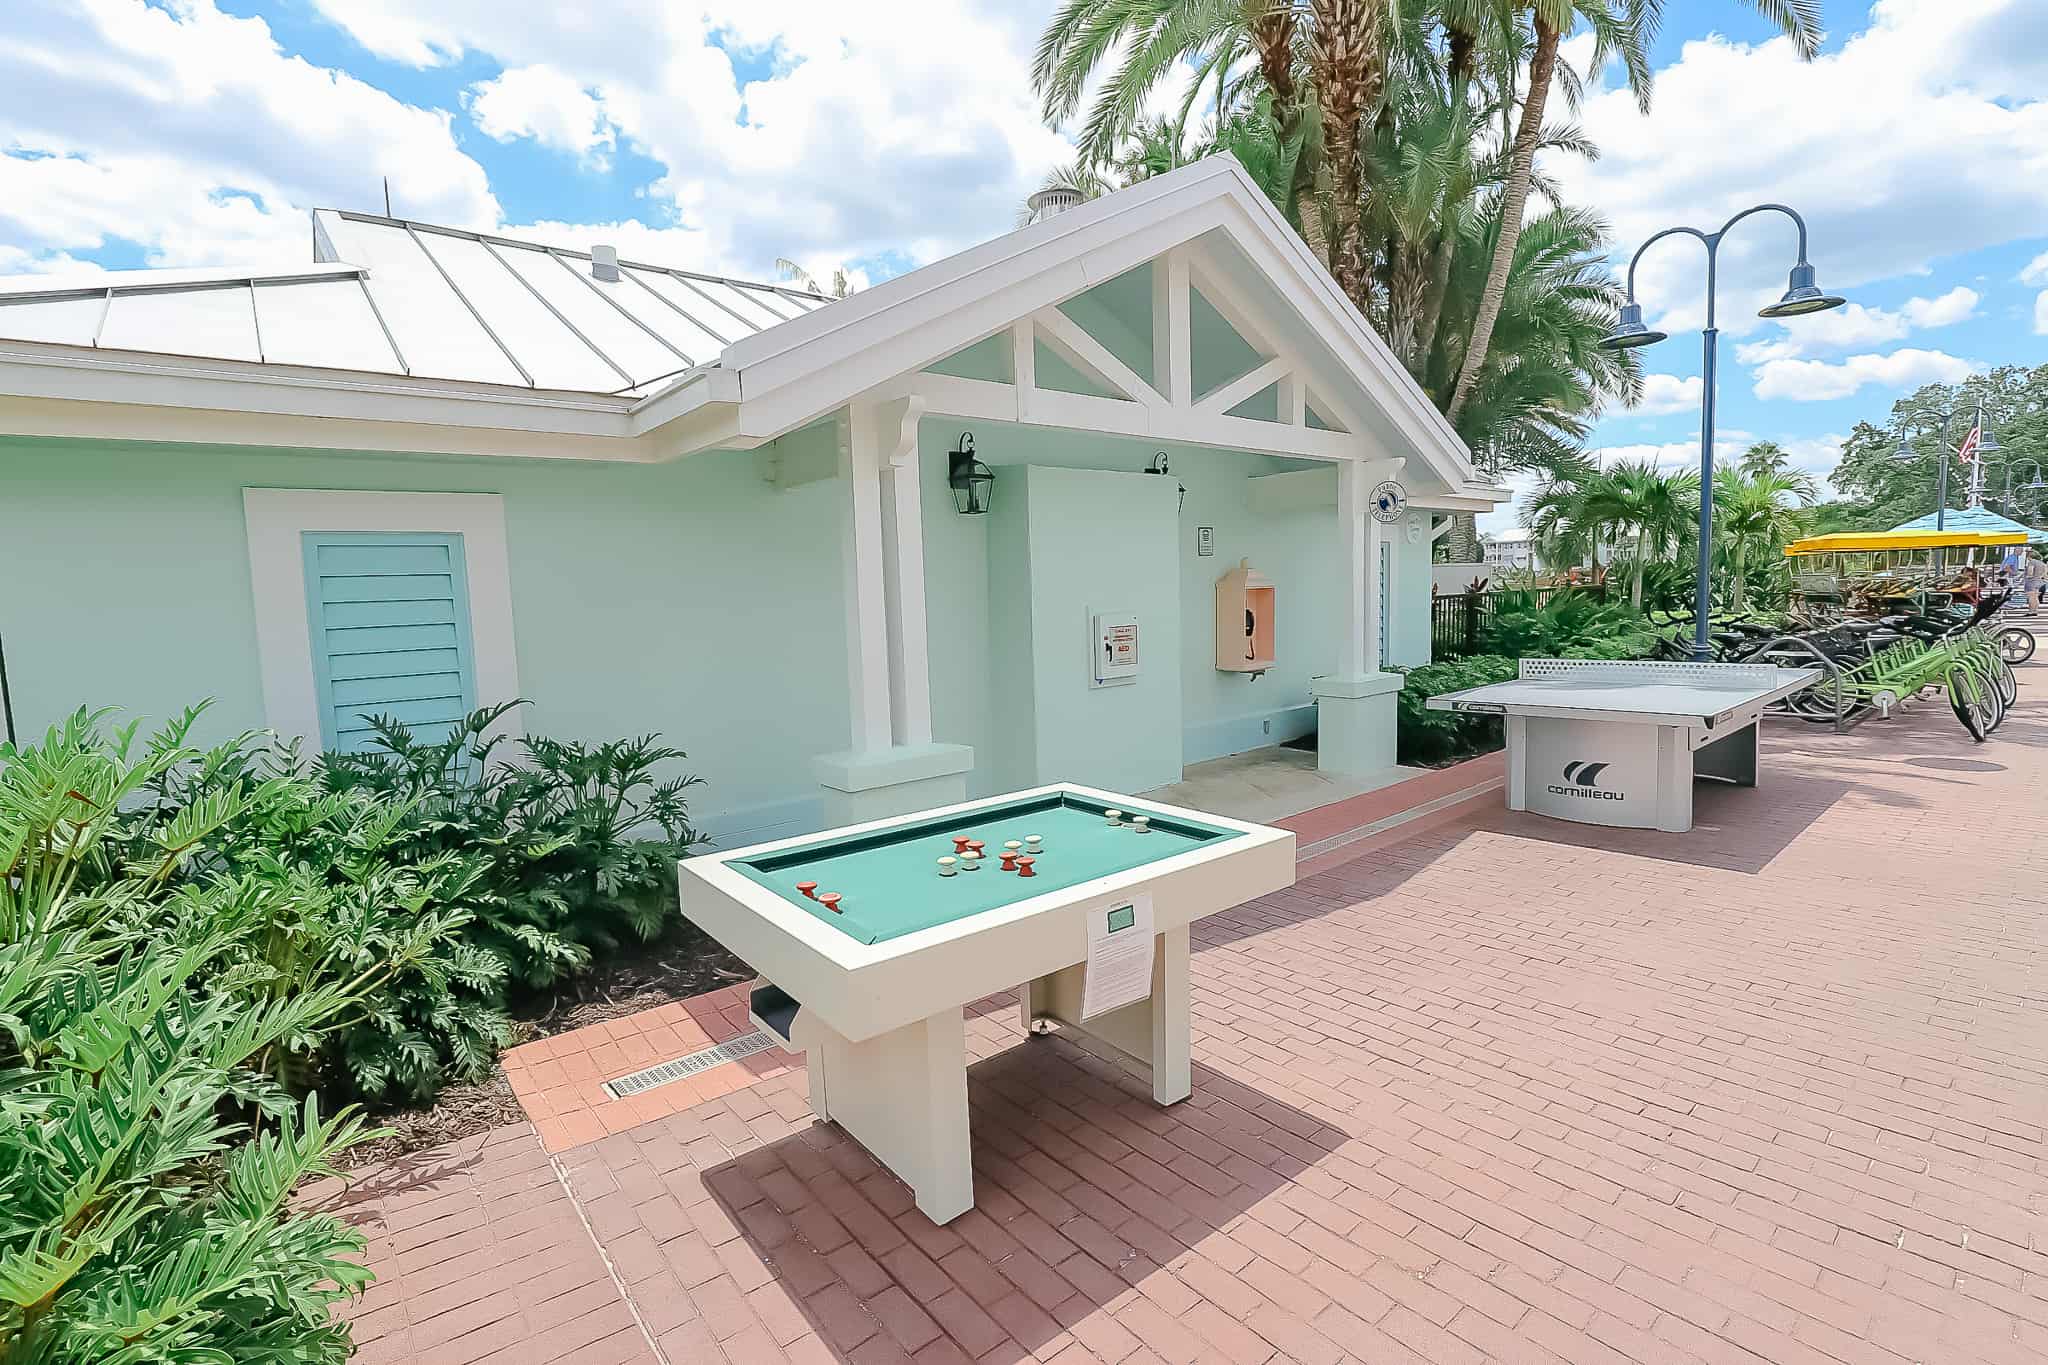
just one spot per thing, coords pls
(1667, 393)
(543, 104)
(2036, 271)
(1813, 381)
(1923, 137)
(857, 140)
(190, 132)
(1957, 305)
(1853, 325)
(2041, 314)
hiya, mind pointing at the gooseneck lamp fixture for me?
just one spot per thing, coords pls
(973, 483)
(1801, 296)
(1158, 465)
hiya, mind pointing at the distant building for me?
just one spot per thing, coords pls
(1509, 550)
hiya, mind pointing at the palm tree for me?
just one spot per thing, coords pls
(1549, 378)
(790, 270)
(1755, 516)
(1653, 509)
(1620, 28)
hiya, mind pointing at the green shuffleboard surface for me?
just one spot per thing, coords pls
(889, 883)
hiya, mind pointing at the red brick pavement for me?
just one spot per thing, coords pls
(1487, 1087)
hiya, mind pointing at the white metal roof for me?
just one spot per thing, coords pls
(395, 297)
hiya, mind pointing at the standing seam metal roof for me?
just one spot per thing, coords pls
(392, 296)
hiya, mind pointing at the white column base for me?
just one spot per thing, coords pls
(1355, 727)
(1153, 1032)
(894, 781)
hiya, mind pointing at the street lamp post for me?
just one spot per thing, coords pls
(2037, 486)
(1801, 296)
(1940, 423)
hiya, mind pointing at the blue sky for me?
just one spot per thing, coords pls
(726, 135)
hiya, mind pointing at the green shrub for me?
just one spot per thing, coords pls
(336, 895)
(578, 842)
(145, 1166)
(1426, 736)
(1566, 625)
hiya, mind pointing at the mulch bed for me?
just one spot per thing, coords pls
(681, 963)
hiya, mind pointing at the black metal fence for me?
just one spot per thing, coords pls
(1455, 621)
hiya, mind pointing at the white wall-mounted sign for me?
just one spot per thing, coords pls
(1114, 645)
(1205, 540)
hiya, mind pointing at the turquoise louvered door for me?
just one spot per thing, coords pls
(390, 624)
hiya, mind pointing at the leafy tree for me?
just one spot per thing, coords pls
(1880, 491)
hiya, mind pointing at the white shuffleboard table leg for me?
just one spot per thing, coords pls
(903, 1096)
(1153, 1032)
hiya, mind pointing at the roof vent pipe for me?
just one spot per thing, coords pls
(1044, 203)
(604, 263)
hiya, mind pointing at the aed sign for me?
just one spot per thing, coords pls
(1113, 640)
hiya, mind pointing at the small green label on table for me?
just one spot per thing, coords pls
(1122, 917)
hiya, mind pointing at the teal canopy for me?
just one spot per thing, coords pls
(1974, 519)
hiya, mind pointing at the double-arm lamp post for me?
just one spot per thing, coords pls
(1801, 296)
(1987, 444)
(2037, 487)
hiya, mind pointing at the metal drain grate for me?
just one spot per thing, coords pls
(661, 1073)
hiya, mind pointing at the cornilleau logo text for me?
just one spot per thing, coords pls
(1579, 777)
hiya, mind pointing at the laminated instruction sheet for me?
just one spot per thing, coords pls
(1119, 955)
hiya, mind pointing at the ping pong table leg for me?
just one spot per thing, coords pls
(1674, 780)
(1518, 762)
(1172, 1066)
(1731, 758)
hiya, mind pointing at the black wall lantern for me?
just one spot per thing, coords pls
(972, 481)
(1158, 466)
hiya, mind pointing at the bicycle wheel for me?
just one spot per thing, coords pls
(2007, 681)
(2016, 644)
(1966, 698)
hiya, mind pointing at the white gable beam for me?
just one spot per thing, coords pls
(1024, 365)
(1314, 402)
(1244, 315)
(1072, 343)
(1172, 349)
(1224, 397)
(1230, 304)
(1293, 400)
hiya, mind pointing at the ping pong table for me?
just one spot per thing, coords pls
(1619, 743)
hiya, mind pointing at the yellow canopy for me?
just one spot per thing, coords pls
(1853, 541)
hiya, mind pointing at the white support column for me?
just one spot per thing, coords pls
(1352, 524)
(1171, 353)
(910, 674)
(892, 766)
(867, 611)
(1355, 704)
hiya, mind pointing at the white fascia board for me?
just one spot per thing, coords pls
(1278, 252)
(48, 390)
(1066, 235)
(1467, 501)
(57, 419)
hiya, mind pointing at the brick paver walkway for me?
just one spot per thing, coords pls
(1485, 1087)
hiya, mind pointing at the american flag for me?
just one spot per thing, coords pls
(1967, 451)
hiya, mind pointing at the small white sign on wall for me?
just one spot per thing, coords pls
(1205, 541)
(1113, 639)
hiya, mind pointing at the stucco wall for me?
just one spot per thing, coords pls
(1221, 713)
(691, 599)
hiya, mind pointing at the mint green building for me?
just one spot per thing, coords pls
(957, 534)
